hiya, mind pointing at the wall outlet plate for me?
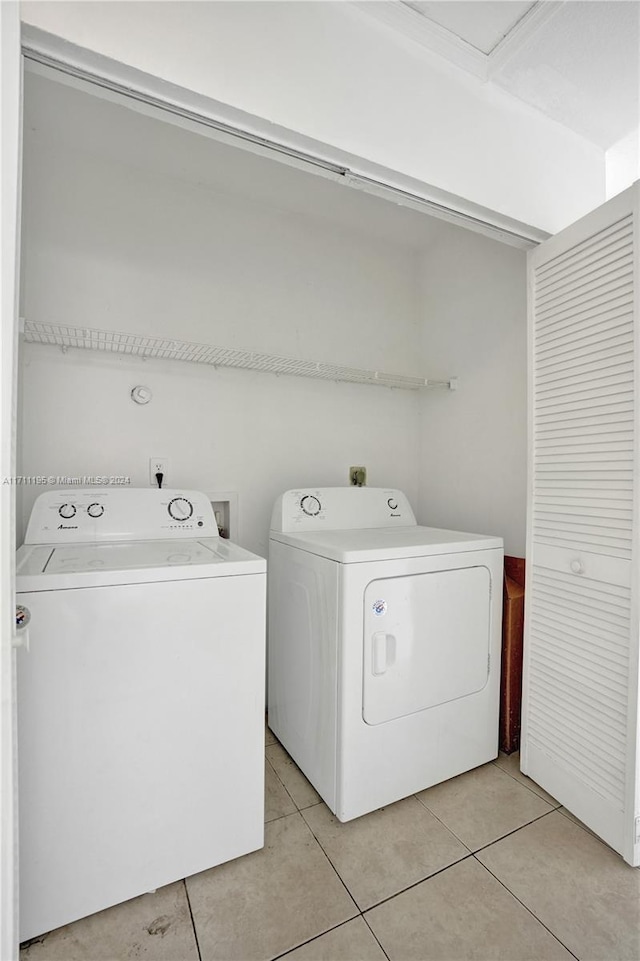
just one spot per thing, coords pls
(158, 465)
(358, 476)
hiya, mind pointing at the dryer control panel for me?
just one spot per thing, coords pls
(86, 515)
(341, 509)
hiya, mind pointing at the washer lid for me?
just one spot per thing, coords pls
(49, 567)
(131, 556)
(381, 544)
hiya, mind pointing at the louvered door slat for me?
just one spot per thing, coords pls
(583, 285)
(572, 357)
(582, 426)
(580, 702)
(598, 295)
(608, 253)
(589, 249)
(580, 686)
(594, 395)
(576, 369)
(577, 335)
(548, 507)
(579, 325)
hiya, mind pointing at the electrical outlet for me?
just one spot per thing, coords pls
(158, 465)
(358, 476)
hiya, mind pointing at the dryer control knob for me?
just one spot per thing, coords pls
(180, 509)
(95, 510)
(311, 505)
(67, 511)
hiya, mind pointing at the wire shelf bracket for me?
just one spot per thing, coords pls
(137, 345)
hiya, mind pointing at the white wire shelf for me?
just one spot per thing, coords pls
(89, 338)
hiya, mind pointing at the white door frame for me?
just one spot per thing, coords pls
(10, 178)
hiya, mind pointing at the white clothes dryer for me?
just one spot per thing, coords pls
(140, 700)
(384, 645)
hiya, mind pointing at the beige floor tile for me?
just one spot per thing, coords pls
(462, 913)
(578, 887)
(277, 802)
(154, 926)
(269, 736)
(511, 764)
(352, 941)
(572, 817)
(271, 901)
(483, 805)
(292, 777)
(383, 852)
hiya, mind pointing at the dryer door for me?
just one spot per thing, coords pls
(426, 641)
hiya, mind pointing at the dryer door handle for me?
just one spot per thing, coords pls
(383, 650)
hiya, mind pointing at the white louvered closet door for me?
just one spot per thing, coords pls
(580, 693)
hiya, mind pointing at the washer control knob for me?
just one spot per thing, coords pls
(95, 510)
(67, 511)
(577, 567)
(310, 505)
(393, 504)
(180, 509)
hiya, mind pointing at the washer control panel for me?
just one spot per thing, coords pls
(341, 508)
(87, 515)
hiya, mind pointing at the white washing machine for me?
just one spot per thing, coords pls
(384, 645)
(140, 700)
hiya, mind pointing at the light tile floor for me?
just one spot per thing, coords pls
(487, 867)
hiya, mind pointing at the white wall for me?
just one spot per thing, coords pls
(474, 442)
(623, 163)
(332, 73)
(114, 246)
(110, 246)
(220, 429)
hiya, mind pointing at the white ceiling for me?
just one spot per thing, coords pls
(576, 61)
(581, 67)
(483, 29)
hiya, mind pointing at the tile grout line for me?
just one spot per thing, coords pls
(440, 821)
(193, 921)
(298, 810)
(376, 937)
(315, 938)
(427, 877)
(495, 840)
(293, 800)
(515, 831)
(583, 827)
(278, 778)
(337, 873)
(522, 784)
(416, 883)
(559, 808)
(335, 926)
(470, 854)
(304, 821)
(526, 907)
